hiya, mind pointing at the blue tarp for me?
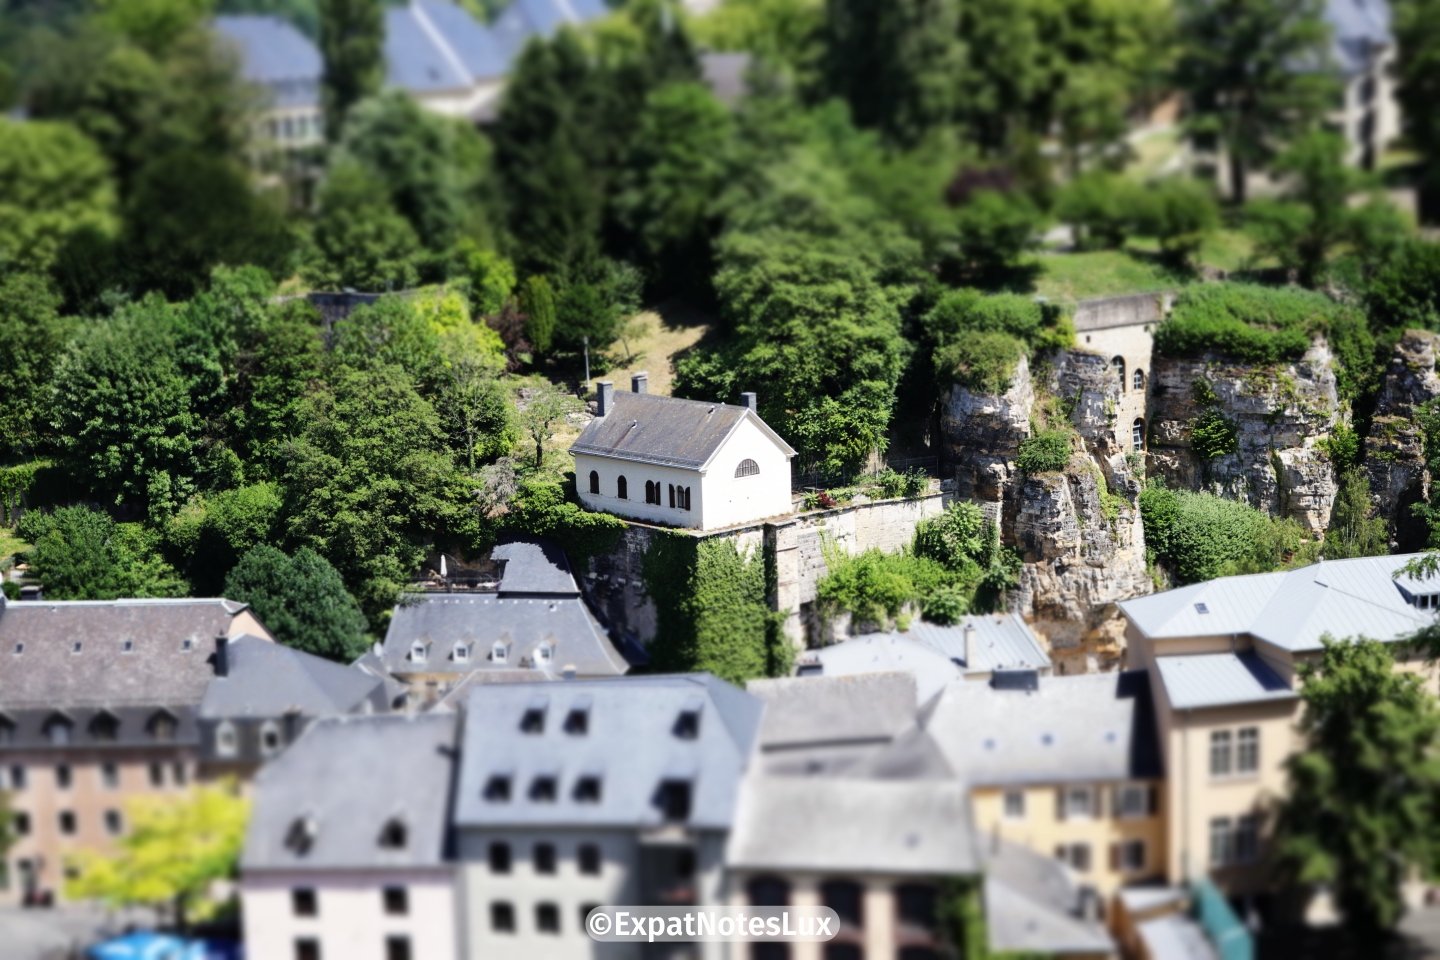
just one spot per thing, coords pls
(147, 946)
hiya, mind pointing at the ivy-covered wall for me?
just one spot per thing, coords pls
(712, 611)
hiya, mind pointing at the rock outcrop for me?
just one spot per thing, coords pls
(1395, 445)
(1279, 416)
(981, 435)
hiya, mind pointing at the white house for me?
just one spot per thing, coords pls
(684, 463)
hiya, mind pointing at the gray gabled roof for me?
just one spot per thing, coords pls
(667, 431)
(534, 568)
(267, 679)
(885, 653)
(914, 827)
(1293, 609)
(39, 666)
(348, 777)
(274, 54)
(1003, 642)
(1091, 727)
(523, 19)
(629, 743)
(1358, 28)
(1220, 679)
(859, 708)
(1032, 906)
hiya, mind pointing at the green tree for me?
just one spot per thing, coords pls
(1416, 25)
(174, 850)
(368, 481)
(894, 63)
(1180, 213)
(1353, 532)
(352, 37)
(537, 300)
(490, 277)
(56, 185)
(1405, 291)
(1101, 208)
(279, 357)
(1315, 216)
(34, 335)
(1364, 793)
(786, 32)
(542, 405)
(417, 156)
(301, 599)
(209, 535)
(81, 554)
(360, 240)
(1238, 70)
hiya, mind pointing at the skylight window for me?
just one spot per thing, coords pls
(587, 790)
(187, 645)
(19, 649)
(1201, 608)
(78, 646)
(127, 646)
(497, 788)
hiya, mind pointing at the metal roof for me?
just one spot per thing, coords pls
(274, 54)
(667, 431)
(534, 568)
(914, 827)
(1293, 609)
(861, 708)
(1358, 28)
(349, 777)
(889, 653)
(266, 679)
(1004, 642)
(629, 739)
(1220, 679)
(1090, 727)
(1033, 906)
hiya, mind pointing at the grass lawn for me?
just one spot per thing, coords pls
(10, 544)
(660, 338)
(1066, 277)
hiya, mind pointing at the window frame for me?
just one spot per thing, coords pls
(1013, 811)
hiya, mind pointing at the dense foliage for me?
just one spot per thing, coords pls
(1199, 536)
(301, 600)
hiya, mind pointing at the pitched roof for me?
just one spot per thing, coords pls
(39, 665)
(1220, 679)
(919, 827)
(267, 679)
(1032, 906)
(523, 19)
(1004, 642)
(1088, 727)
(534, 568)
(1293, 609)
(887, 653)
(349, 777)
(629, 742)
(1358, 26)
(275, 54)
(668, 431)
(831, 710)
(432, 45)
(564, 626)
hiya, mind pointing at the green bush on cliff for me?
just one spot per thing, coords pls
(982, 362)
(1199, 536)
(1045, 452)
(1250, 323)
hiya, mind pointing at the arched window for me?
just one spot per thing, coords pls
(672, 496)
(1119, 364)
(747, 468)
(622, 489)
(1139, 379)
(1137, 434)
(163, 725)
(594, 482)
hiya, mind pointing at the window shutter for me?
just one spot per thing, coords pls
(1060, 803)
(1115, 856)
(1097, 797)
(1154, 799)
(1117, 801)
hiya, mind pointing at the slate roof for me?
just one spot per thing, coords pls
(478, 621)
(1032, 906)
(831, 710)
(1004, 642)
(1220, 679)
(629, 743)
(668, 431)
(1073, 728)
(534, 568)
(1292, 609)
(350, 776)
(269, 680)
(274, 54)
(886, 653)
(158, 669)
(1358, 26)
(523, 19)
(852, 825)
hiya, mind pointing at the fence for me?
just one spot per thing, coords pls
(810, 477)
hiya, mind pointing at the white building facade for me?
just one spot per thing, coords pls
(681, 463)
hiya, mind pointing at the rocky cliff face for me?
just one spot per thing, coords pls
(1279, 416)
(1395, 447)
(1077, 530)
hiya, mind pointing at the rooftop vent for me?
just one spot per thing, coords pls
(604, 397)
(639, 382)
(1201, 609)
(302, 834)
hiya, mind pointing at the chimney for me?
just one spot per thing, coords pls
(604, 397)
(972, 645)
(639, 381)
(222, 656)
(747, 400)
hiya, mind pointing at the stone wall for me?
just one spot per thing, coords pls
(1395, 446)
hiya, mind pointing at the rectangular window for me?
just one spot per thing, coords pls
(304, 902)
(17, 777)
(1014, 805)
(1222, 841)
(544, 858)
(307, 948)
(180, 774)
(1220, 753)
(62, 776)
(20, 820)
(157, 775)
(397, 948)
(1077, 855)
(589, 859)
(1132, 801)
(1247, 752)
(547, 918)
(397, 901)
(113, 824)
(1131, 856)
(1079, 802)
(499, 858)
(1247, 839)
(110, 776)
(67, 823)
(502, 917)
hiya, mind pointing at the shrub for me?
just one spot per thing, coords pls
(890, 484)
(1342, 446)
(1212, 435)
(1101, 207)
(983, 362)
(1199, 536)
(1045, 452)
(873, 585)
(946, 605)
(1250, 323)
(1179, 213)
(958, 536)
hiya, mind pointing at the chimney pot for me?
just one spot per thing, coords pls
(604, 397)
(972, 646)
(639, 382)
(747, 400)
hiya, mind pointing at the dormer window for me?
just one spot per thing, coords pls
(57, 729)
(687, 724)
(162, 725)
(301, 836)
(497, 788)
(269, 738)
(673, 799)
(543, 789)
(393, 836)
(587, 789)
(77, 646)
(499, 653)
(105, 727)
(417, 652)
(543, 654)
(227, 744)
(462, 653)
(127, 646)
